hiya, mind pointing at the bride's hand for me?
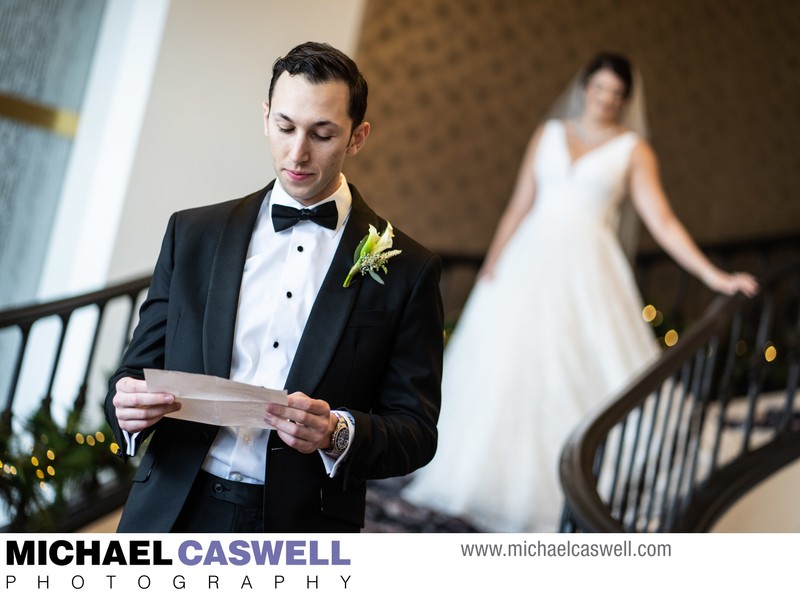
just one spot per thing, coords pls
(730, 283)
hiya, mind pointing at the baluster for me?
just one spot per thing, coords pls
(25, 331)
(792, 357)
(758, 367)
(726, 386)
(80, 399)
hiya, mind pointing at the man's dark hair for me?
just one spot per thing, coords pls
(321, 63)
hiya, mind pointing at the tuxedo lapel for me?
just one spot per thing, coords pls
(333, 304)
(224, 284)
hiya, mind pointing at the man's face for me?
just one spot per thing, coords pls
(309, 133)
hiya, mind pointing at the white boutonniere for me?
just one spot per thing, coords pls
(371, 254)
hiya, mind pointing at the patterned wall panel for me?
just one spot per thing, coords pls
(46, 51)
(457, 87)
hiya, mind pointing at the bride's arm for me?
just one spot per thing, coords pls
(522, 199)
(654, 209)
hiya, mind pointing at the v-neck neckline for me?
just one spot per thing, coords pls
(573, 161)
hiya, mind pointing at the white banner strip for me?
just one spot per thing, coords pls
(389, 563)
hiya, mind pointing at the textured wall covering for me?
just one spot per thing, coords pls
(457, 86)
(45, 53)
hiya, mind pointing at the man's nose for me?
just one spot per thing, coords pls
(299, 150)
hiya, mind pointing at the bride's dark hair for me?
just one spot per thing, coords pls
(617, 63)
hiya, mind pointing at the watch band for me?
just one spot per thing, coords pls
(340, 438)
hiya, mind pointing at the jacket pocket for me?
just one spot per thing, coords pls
(348, 506)
(145, 468)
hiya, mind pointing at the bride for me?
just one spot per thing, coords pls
(552, 328)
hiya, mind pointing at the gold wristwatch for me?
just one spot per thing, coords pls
(340, 437)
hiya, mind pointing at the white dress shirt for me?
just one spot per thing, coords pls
(282, 276)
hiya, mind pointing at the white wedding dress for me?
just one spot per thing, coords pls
(554, 334)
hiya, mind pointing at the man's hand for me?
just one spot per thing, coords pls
(305, 424)
(137, 409)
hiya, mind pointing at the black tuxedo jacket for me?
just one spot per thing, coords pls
(374, 350)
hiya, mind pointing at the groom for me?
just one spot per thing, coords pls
(253, 290)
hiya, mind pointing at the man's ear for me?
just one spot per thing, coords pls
(265, 107)
(358, 138)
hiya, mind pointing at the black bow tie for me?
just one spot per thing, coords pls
(284, 217)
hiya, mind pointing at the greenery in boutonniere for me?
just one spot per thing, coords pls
(372, 254)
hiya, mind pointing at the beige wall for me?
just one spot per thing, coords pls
(457, 88)
(202, 136)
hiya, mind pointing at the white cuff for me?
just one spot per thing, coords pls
(331, 463)
(130, 446)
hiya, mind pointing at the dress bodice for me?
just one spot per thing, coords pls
(586, 190)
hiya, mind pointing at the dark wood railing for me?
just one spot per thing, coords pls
(55, 474)
(714, 416)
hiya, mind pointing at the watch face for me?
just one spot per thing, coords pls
(342, 438)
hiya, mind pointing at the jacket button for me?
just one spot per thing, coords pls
(218, 488)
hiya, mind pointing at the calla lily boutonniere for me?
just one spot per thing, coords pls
(371, 254)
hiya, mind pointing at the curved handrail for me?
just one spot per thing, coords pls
(28, 314)
(709, 391)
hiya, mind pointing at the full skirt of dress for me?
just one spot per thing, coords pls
(551, 337)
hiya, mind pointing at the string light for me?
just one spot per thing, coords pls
(770, 353)
(37, 465)
(649, 313)
(671, 338)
